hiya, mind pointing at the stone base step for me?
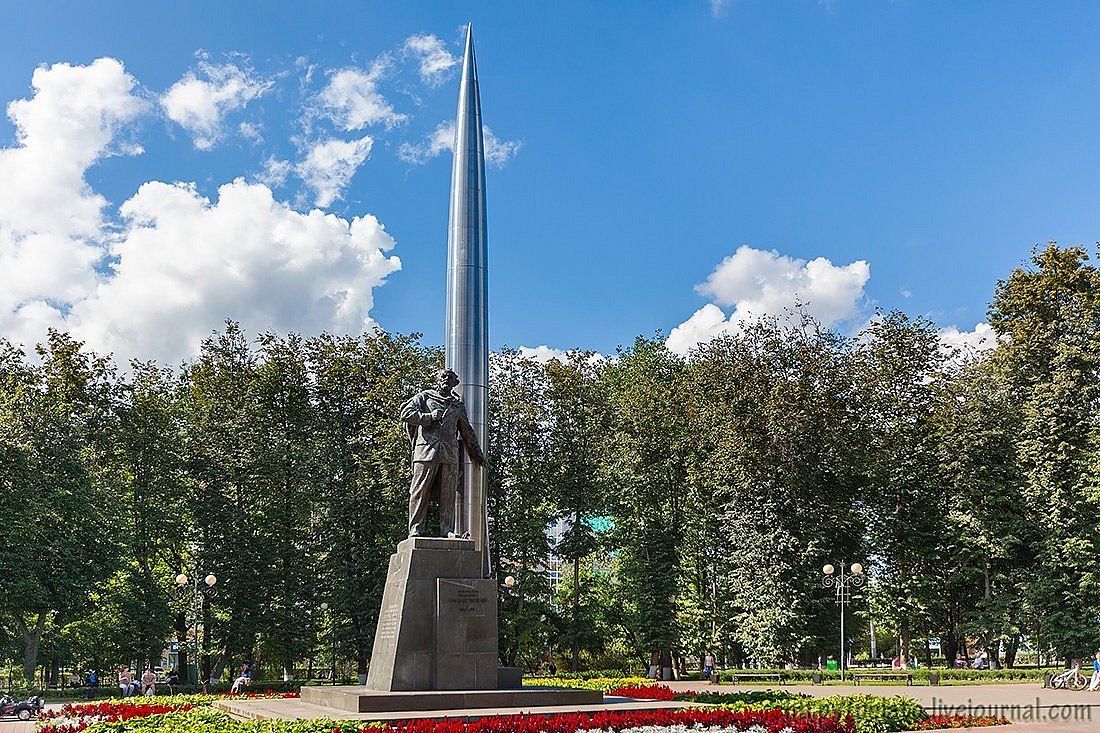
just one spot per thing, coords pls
(355, 699)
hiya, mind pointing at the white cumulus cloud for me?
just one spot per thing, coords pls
(757, 282)
(442, 139)
(981, 338)
(153, 277)
(329, 165)
(352, 100)
(200, 101)
(436, 62)
(52, 229)
(542, 354)
(186, 263)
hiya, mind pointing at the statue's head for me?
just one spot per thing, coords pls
(446, 380)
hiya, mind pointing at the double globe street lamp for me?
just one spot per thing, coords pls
(190, 590)
(843, 583)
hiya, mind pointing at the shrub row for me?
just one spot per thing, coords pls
(1017, 674)
(105, 692)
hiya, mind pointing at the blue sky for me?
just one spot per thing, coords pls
(659, 165)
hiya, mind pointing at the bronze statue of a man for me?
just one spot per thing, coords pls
(436, 418)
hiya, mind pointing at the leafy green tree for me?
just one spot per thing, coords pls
(1047, 317)
(989, 529)
(519, 504)
(154, 516)
(361, 513)
(578, 424)
(649, 451)
(55, 424)
(776, 487)
(908, 499)
(225, 446)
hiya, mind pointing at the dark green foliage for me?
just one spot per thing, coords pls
(700, 494)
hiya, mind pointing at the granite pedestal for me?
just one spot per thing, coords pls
(437, 629)
(436, 643)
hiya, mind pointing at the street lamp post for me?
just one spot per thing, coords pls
(190, 590)
(843, 583)
(332, 631)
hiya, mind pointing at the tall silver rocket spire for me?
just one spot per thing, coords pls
(467, 336)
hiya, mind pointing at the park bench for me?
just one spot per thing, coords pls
(858, 677)
(736, 676)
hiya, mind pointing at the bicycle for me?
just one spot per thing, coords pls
(1071, 679)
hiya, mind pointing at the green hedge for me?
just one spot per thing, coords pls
(105, 692)
(1017, 674)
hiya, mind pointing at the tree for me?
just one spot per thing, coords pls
(578, 424)
(359, 385)
(774, 493)
(519, 502)
(908, 498)
(1047, 317)
(648, 455)
(55, 423)
(154, 518)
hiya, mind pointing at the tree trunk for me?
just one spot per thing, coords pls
(903, 640)
(950, 647)
(666, 665)
(1011, 648)
(576, 662)
(32, 640)
(181, 645)
(219, 666)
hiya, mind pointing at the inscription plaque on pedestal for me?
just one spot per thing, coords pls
(465, 634)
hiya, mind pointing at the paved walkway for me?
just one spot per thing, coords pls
(16, 726)
(298, 710)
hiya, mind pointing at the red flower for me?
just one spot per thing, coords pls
(771, 720)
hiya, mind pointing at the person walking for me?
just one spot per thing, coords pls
(1094, 683)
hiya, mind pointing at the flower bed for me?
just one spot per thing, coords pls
(871, 713)
(639, 721)
(644, 692)
(76, 717)
(604, 684)
(693, 720)
(764, 711)
(938, 722)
